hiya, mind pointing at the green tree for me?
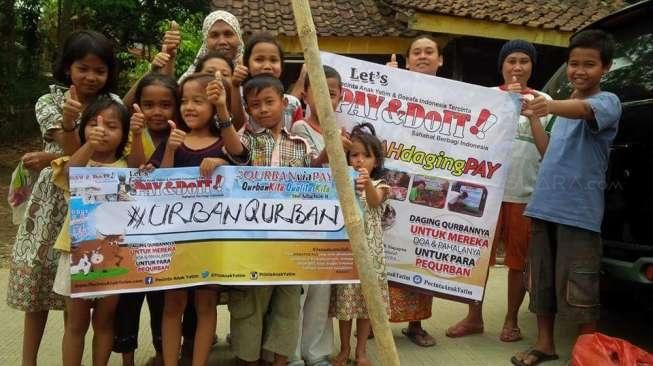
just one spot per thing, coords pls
(33, 32)
(137, 20)
(21, 80)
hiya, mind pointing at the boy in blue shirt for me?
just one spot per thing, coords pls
(566, 209)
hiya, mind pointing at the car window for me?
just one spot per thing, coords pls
(631, 74)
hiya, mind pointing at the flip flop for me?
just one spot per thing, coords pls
(323, 363)
(462, 330)
(539, 358)
(420, 338)
(510, 334)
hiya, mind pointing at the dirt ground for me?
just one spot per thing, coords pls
(10, 153)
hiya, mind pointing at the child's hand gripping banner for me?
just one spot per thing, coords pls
(136, 231)
(447, 148)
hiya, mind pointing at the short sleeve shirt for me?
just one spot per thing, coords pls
(524, 159)
(314, 138)
(288, 151)
(148, 144)
(185, 156)
(571, 179)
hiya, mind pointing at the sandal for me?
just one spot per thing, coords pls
(510, 334)
(538, 356)
(462, 330)
(420, 337)
(323, 363)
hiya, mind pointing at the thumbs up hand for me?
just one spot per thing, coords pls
(162, 60)
(514, 86)
(216, 92)
(537, 106)
(137, 121)
(176, 137)
(97, 134)
(172, 38)
(239, 75)
(393, 62)
(72, 108)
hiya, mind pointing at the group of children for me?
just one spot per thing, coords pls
(232, 109)
(190, 124)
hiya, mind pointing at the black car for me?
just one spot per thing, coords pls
(627, 242)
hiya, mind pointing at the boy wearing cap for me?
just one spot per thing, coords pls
(515, 63)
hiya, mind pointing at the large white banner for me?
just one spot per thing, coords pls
(447, 147)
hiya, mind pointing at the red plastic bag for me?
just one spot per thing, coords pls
(600, 350)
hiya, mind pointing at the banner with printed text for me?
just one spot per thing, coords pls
(447, 146)
(137, 231)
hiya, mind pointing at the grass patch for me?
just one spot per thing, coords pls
(110, 272)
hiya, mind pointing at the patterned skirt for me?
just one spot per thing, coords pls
(409, 306)
(348, 303)
(33, 259)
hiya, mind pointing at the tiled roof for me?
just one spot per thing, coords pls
(332, 17)
(376, 18)
(566, 15)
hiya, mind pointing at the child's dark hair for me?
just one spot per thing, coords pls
(423, 36)
(199, 65)
(366, 135)
(165, 81)
(258, 83)
(594, 39)
(203, 79)
(77, 46)
(100, 103)
(329, 73)
(263, 37)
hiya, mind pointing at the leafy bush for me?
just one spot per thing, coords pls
(191, 41)
(133, 67)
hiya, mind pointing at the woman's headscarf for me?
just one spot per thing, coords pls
(209, 21)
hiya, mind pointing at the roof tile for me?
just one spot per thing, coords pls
(376, 18)
(331, 17)
(532, 13)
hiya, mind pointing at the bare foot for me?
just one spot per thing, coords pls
(532, 357)
(362, 360)
(464, 328)
(341, 358)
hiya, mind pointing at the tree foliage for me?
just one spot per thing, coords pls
(33, 32)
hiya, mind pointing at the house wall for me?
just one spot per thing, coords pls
(469, 59)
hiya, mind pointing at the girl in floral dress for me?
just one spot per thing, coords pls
(347, 302)
(87, 64)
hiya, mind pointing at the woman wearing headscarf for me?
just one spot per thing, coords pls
(406, 305)
(220, 32)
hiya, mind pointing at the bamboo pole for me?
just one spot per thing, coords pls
(339, 168)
